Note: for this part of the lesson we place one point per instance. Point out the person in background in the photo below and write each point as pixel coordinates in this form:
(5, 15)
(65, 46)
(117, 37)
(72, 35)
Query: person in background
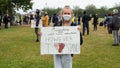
(37, 17)
(20, 19)
(31, 17)
(55, 19)
(50, 20)
(73, 20)
(25, 19)
(115, 27)
(95, 21)
(6, 20)
(85, 19)
(104, 21)
(109, 23)
(45, 19)
(79, 20)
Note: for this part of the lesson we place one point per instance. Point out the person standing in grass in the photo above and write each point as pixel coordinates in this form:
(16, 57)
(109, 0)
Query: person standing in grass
(95, 21)
(45, 19)
(37, 17)
(85, 19)
(109, 23)
(65, 60)
(6, 20)
(115, 27)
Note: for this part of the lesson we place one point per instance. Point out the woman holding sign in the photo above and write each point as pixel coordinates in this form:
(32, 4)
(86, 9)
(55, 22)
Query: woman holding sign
(64, 60)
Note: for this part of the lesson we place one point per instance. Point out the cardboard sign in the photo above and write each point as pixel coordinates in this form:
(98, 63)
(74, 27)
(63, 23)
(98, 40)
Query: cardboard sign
(33, 24)
(60, 40)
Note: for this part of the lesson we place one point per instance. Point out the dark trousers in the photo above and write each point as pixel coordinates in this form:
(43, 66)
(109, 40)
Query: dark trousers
(95, 27)
(6, 24)
(109, 28)
(36, 32)
(79, 23)
(20, 22)
(36, 29)
(86, 26)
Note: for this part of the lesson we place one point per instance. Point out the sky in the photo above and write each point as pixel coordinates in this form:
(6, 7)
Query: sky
(40, 4)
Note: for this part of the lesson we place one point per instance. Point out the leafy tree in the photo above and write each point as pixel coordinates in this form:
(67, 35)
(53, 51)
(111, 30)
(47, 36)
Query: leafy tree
(91, 9)
(102, 11)
(9, 6)
(77, 11)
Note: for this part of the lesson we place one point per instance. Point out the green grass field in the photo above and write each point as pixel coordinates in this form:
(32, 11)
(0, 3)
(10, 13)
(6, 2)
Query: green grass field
(18, 49)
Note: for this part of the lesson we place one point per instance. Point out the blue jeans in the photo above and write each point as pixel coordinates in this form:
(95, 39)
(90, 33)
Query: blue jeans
(116, 37)
(63, 61)
(86, 26)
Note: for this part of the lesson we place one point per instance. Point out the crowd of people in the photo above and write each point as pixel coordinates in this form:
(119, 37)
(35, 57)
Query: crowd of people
(67, 18)
(112, 21)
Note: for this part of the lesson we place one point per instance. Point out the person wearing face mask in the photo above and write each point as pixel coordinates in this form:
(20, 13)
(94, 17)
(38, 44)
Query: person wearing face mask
(65, 60)
(45, 19)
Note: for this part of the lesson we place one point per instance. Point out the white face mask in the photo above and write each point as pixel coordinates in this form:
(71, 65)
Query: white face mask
(66, 17)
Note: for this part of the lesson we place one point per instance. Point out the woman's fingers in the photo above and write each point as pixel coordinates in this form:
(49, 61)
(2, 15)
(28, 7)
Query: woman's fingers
(40, 34)
(79, 28)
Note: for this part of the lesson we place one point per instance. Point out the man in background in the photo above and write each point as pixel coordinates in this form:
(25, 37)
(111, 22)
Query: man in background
(85, 20)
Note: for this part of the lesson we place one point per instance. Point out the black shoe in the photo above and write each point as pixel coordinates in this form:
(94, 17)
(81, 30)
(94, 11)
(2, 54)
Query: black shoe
(114, 44)
(37, 40)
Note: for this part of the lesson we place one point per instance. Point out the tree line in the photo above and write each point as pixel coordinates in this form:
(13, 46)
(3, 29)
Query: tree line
(90, 9)
(9, 7)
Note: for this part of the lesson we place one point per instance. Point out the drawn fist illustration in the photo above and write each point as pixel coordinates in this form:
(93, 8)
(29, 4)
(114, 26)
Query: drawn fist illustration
(59, 46)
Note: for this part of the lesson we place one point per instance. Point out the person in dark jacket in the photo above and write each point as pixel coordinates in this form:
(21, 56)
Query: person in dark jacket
(85, 20)
(79, 20)
(37, 24)
(6, 20)
(109, 23)
(31, 18)
(115, 27)
(55, 19)
(95, 21)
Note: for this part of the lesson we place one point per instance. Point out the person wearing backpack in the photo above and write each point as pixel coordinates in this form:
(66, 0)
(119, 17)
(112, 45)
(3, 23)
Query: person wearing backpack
(115, 27)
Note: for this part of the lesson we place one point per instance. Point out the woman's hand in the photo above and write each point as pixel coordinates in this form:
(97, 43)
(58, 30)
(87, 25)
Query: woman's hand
(79, 28)
(40, 34)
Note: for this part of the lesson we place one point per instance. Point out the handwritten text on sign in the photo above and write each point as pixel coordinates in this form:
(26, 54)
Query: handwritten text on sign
(60, 40)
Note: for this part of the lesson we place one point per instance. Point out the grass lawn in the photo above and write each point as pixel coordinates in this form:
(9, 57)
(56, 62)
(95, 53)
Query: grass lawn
(18, 49)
